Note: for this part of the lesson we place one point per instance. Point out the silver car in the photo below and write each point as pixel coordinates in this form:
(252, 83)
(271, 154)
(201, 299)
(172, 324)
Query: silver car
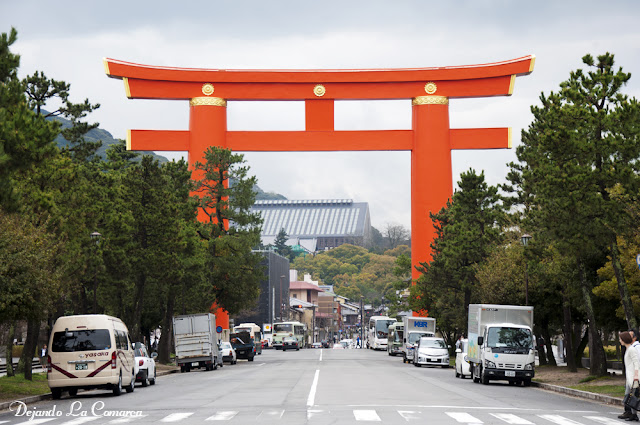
(431, 351)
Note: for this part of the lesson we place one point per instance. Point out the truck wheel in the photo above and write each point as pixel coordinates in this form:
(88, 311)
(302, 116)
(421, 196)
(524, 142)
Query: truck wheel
(56, 393)
(527, 382)
(251, 358)
(187, 368)
(484, 378)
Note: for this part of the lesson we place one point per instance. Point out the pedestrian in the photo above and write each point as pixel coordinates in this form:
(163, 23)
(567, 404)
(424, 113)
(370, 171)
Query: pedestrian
(43, 356)
(459, 343)
(358, 342)
(632, 367)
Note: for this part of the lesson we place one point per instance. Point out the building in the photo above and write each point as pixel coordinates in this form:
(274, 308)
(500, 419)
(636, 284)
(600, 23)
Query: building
(315, 225)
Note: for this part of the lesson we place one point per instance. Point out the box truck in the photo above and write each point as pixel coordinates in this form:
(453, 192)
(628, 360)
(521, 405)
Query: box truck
(415, 328)
(196, 342)
(501, 343)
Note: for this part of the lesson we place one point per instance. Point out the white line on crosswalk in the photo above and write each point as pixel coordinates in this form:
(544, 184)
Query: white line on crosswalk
(560, 420)
(222, 416)
(176, 417)
(409, 415)
(79, 421)
(464, 418)
(511, 419)
(127, 419)
(366, 415)
(38, 421)
(603, 420)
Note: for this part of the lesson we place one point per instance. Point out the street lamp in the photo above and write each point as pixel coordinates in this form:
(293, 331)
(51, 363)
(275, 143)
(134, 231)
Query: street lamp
(525, 241)
(95, 237)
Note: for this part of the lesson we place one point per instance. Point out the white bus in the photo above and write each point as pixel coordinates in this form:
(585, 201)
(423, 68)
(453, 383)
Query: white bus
(378, 332)
(255, 331)
(283, 329)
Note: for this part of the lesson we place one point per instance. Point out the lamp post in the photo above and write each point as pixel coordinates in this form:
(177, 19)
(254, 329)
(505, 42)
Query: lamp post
(95, 237)
(361, 321)
(525, 241)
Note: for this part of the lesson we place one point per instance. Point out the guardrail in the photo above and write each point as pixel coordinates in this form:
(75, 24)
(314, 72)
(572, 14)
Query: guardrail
(35, 364)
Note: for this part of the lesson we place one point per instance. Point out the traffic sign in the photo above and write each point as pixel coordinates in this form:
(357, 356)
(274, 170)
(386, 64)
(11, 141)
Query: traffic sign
(219, 329)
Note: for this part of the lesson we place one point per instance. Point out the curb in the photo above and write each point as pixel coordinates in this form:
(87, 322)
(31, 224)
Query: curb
(579, 394)
(33, 399)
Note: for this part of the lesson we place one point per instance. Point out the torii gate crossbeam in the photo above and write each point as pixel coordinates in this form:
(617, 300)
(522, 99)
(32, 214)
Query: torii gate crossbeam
(430, 139)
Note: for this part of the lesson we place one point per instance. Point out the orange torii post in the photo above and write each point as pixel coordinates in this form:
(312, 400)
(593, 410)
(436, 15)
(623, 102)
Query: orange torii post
(430, 139)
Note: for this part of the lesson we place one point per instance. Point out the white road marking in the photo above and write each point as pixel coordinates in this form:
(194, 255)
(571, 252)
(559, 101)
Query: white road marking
(409, 415)
(312, 392)
(38, 421)
(320, 355)
(126, 419)
(222, 416)
(312, 413)
(176, 417)
(464, 418)
(366, 415)
(603, 420)
(560, 420)
(511, 419)
(79, 421)
(271, 414)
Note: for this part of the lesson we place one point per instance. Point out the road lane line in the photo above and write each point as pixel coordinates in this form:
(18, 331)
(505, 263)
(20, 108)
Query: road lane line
(409, 415)
(222, 416)
(511, 419)
(366, 415)
(464, 418)
(176, 417)
(603, 420)
(560, 420)
(320, 355)
(312, 393)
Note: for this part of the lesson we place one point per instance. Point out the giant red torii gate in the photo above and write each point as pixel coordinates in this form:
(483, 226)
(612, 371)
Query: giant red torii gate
(430, 139)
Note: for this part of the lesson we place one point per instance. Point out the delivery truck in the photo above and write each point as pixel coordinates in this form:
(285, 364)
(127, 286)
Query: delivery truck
(414, 328)
(196, 342)
(501, 343)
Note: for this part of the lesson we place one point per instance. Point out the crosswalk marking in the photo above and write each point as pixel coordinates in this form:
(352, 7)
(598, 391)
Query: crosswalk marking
(271, 414)
(464, 418)
(79, 421)
(222, 416)
(556, 419)
(409, 415)
(312, 413)
(511, 419)
(127, 419)
(603, 420)
(366, 415)
(176, 417)
(38, 421)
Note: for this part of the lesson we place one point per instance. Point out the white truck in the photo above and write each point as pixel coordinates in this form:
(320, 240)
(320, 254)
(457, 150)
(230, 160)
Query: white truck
(414, 329)
(501, 343)
(196, 342)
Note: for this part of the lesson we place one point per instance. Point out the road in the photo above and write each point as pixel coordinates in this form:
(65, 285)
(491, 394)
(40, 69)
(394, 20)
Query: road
(319, 387)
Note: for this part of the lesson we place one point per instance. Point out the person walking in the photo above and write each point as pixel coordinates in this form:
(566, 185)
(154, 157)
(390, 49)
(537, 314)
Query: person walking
(43, 356)
(632, 367)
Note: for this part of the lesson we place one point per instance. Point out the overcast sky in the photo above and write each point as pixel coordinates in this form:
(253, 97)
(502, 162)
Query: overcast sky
(68, 39)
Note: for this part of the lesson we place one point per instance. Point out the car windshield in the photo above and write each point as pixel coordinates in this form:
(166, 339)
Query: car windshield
(415, 337)
(82, 340)
(509, 338)
(432, 343)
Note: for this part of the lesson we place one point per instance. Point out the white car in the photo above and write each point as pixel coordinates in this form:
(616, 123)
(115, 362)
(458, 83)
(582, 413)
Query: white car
(431, 351)
(228, 353)
(462, 365)
(145, 365)
(347, 343)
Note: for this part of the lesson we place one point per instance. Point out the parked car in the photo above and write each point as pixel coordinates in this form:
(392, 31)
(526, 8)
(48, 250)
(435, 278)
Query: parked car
(431, 351)
(316, 345)
(290, 342)
(228, 353)
(325, 343)
(338, 346)
(145, 364)
(347, 343)
(462, 365)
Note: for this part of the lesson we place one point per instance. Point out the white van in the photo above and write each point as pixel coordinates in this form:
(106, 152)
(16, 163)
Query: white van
(90, 351)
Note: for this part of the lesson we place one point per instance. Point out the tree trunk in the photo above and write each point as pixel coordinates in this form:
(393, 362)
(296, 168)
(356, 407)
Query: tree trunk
(9, 347)
(625, 298)
(597, 358)
(547, 338)
(542, 356)
(164, 345)
(568, 334)
(29, 350)
(581, 346)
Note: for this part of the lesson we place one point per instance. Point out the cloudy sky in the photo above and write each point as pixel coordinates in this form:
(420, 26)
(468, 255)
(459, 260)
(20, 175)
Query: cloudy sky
(68, 39)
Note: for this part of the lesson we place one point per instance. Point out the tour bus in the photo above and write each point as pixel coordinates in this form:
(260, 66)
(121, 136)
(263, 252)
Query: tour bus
(378, 332)
(255, 332)
(283, 329)
(394, 340)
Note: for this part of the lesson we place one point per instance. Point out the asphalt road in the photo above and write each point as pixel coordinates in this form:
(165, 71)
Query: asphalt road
(319, 387)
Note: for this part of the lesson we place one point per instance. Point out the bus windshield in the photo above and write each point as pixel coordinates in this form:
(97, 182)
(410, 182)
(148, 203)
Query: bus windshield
(282, 327)
(382, 328)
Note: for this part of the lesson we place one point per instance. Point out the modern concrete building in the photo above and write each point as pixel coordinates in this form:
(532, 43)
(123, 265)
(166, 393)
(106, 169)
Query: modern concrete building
(315, 225)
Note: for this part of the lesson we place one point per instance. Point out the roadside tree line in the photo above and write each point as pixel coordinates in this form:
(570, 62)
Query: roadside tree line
(574, 190)
(80, 234)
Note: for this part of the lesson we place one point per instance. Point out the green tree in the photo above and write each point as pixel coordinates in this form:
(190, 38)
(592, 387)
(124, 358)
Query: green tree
(230, 228)
(280, 245)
